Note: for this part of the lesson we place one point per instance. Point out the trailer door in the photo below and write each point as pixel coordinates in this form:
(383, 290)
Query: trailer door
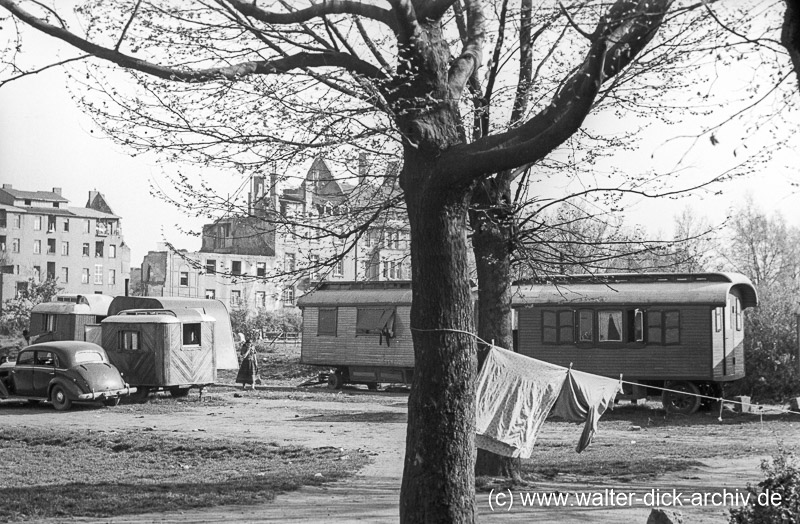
(732, 326)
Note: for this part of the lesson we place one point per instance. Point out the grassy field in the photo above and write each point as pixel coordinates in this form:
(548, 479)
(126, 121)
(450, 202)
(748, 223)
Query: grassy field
(56, 473)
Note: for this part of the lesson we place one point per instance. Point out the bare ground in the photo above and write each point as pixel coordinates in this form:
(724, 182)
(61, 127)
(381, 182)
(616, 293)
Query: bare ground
(351, 419)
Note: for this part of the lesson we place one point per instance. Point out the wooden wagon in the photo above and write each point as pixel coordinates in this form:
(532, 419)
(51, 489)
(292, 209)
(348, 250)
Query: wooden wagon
(164, 349)
(360, 330)
(680, 331)
(69, 317)
(224, 347)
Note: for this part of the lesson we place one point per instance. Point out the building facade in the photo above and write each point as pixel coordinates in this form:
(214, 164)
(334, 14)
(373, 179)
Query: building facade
(42, 237)
(267, 258)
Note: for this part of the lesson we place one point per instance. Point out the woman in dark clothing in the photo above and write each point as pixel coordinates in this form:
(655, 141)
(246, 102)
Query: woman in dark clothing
(248, 370)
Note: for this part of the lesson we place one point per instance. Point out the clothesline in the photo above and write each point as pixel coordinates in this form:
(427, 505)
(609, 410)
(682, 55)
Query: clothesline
(699, 395)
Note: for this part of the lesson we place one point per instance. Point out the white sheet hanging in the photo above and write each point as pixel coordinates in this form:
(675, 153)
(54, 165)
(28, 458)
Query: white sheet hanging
(516, 393)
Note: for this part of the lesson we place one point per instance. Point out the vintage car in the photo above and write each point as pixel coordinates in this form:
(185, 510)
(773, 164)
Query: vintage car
(63, 372)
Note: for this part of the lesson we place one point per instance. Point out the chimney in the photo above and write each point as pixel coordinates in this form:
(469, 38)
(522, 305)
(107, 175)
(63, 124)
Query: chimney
(92, 196)
(363, 168)
(390, 178)
(7, 186)
(273, 185)
(57, 191)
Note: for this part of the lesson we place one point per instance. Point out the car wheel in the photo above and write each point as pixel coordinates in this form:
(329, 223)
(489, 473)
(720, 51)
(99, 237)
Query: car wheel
(60, 399)
(111, 402)
(179, 392)
(142, 392)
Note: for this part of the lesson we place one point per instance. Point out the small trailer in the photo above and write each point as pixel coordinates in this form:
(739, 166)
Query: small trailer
(224, 347)
(360, 330)
(69, 317)
(162, 349)
(680, 331)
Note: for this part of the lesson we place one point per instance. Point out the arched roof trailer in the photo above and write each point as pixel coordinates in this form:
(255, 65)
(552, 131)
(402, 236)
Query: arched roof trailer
(683, 330)
(68, 317)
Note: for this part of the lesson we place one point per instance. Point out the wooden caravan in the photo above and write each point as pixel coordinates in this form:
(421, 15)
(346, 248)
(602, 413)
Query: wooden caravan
(361, 330)
(682, 331)
(162, 349)
(69, 317)
(224, 348)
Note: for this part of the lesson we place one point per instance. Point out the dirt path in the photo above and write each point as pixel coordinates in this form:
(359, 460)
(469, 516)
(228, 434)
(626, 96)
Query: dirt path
(375, 423)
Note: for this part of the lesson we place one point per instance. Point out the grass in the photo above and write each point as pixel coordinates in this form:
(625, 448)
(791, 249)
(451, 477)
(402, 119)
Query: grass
(57, 473)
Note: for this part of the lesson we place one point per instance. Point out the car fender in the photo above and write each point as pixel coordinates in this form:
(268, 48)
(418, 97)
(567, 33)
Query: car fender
(70, 387)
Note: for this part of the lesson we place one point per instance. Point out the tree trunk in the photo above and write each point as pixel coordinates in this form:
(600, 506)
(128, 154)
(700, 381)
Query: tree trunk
(790, 35)
(440, 438)
(492, 236)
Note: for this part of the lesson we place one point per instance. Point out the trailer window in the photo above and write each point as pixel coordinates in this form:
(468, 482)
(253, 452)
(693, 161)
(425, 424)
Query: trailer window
(672, 332)
(191, 334)
(585, 325)
(549, 328)
(609, 326)
(375, 321)
(566, 327)
(718, 319)
(49, 322)
(326, 321)
(635, 325)
(654, 327)
(129, 340)
(558, 327)
(736, 314)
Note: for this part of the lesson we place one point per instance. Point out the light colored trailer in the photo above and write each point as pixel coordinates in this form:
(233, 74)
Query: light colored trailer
(361, 330)
(162, 349)
(683, 331)
(224, 347)
(69, 317)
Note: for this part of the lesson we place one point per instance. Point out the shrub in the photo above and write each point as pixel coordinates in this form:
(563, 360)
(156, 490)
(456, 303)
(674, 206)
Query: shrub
(771, 365)
(283, 321)
(16, 314)
(782, 478)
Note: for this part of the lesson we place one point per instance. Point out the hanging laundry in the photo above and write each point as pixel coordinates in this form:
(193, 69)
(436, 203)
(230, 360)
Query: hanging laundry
(585, 397)
(516, 393)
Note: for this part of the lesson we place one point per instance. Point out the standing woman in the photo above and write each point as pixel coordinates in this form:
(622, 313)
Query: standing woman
(248, 370)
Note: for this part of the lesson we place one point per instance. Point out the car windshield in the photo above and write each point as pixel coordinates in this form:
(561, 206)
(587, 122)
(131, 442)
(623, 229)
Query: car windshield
(82, 357)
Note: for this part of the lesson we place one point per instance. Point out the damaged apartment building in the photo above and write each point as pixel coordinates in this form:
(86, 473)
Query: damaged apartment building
(286, 241)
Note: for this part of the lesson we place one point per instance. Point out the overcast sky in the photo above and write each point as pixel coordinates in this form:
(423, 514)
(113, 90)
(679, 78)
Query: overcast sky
(46, 142)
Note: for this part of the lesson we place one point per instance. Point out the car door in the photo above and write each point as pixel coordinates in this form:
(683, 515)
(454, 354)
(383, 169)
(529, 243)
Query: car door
(44, 371)
(22, 373)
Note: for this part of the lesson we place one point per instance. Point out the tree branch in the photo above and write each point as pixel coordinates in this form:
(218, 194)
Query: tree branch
(575, 26)
(236, 71)
(127, 25)
(433, 9)
(45, 68)
(622, 34)
(325, 7)
(471, 56)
